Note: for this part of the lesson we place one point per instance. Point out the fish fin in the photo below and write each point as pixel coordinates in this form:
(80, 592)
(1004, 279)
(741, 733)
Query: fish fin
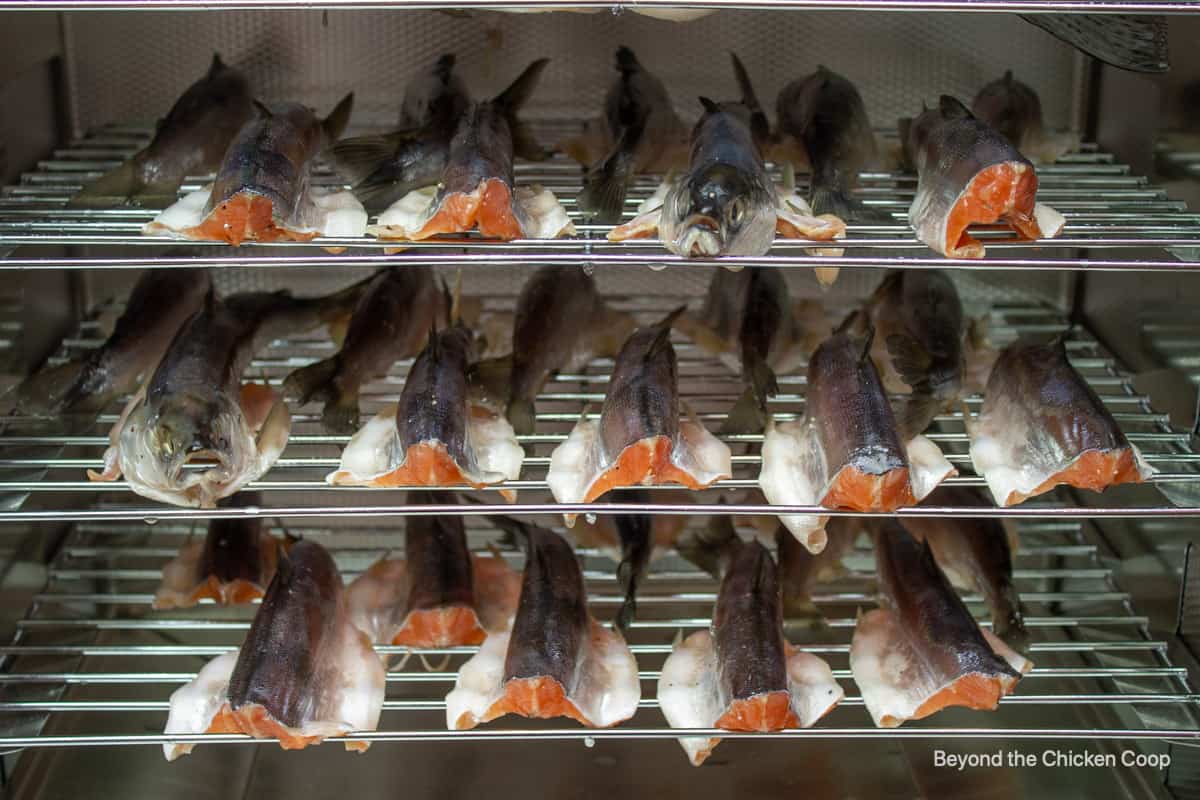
(123, 186)
(522, 415)
(627, 579)
(711, 547)
(832, 200)
(216, 65)
(604, 188)
(711, 106)
(914, 412)
(952, 108)
(749, 98)
(491, 377)
(1008, 77)
(358, 159)
(57, 389)
(521, 89)
(626, 60)
(1128, 41)
(663, 338)
(313, 382)
(263, 109)
(341, 411)
(335, 124)
(444, 66)
(910, 359)
(746, 416)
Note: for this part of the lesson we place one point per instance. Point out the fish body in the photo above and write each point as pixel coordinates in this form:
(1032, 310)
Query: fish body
(303, 674)
(800, 569)
(922, 651)
(160, 302)
(391, 320)
(557, 660)
(1136, 42)
(1014, 110)
(825, 112)
(190, 140)
(1042, 425)
(968, 173)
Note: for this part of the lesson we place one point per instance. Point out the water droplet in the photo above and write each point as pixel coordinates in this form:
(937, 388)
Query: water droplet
(588, 741)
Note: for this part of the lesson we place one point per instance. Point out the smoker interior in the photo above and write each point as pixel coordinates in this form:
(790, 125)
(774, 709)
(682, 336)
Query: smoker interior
(86, 676)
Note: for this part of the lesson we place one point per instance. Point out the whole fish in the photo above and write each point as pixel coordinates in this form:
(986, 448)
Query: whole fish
(639, 438)
(558, 661)
(194, 408)
(976, 555)
(263, 188)
(968, 173)
(436, 435)
(825, 112)
(642, 133)
(1042, 425)
(847, 451)
(726, 203)
(304, 673)
(392, 320)
(1015, 111)
(944, 657)
(384, 168)
(743, 675)
(190, 140)
(160, 302)
(561, 323)
(477, 189)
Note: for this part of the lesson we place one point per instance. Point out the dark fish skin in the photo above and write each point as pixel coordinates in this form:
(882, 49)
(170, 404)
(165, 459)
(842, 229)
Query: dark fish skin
(1011, 107)
(825, 112)
(949, 145)
(919, 320)
(643, 392)
(551, 625)
(748, 626)
(436, 97)
(482, 149)
(231, 548)
(433, 404)
(635, 532)
(911, 583)
(711, 547)
(190, 140)
(978, 548)
(1136, 42)
(280, 663)
(844, 392)
(437, 557)
(392, 320)
(799, 568)
(161, 301)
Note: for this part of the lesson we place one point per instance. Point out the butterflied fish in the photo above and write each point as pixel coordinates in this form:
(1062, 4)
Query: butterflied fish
(161, 301)
(1135, 42)
(384, 168)
(968, 174)
(557, 661)
(976, 555)
(263, 189)
(561, 323)
(639, 438)
(743, 675)
(190, 140)
(641, 133)
(1015, 111)
(726, 204)
(391, 320)
(194, 410)
(304, 673)
(232, 564)
(438, 595)
(1042, 425)
(825, 113)
(922, 651)
(847, 451)
(437, 435)
(799, 568)
(477, 190)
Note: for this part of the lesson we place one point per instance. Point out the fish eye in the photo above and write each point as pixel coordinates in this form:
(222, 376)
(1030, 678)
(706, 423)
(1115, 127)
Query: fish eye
(737, 210)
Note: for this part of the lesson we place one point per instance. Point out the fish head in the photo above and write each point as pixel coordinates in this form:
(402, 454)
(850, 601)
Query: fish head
(720, 210)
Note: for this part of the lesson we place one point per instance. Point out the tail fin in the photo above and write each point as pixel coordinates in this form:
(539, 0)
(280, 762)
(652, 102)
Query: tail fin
(1133, 42)
(511, 100)
(604, 188)
(836, 201)
(216, 65)
(759, 125)
(314, 382)
(749, 414)
(57, 389)
(626, 60)
(444, 66)
(522, 415)
(335, 124)
(123, 186)
(359, 158)
(711, 547)
(341, 411)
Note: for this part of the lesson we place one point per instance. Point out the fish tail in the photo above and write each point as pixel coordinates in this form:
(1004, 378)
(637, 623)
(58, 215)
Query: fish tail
(1133, 42)
(525, 144)
(626, 60)
(335, 124)
(362, 158)
(760, 126)
(123, 186)
(627, 579)
(59, 388)
(341, 411)
(314, 382)
(837, 201)
(522, 415)
(749, 413)
(711, 547)
(606, 184)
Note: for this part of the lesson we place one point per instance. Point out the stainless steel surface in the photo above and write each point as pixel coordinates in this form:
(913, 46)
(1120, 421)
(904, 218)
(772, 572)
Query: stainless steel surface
(1010, 6)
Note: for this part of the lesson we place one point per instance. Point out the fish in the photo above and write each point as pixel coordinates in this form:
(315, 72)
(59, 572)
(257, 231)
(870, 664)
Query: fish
(1042, 425)
(439, 594)
(641, 133)
(976, 555)
(968, 174)
(384, 168)
(557, 661)
(921, 650)
(232, 565)
(639, 438)
(1015, 112)
(160, 302)
(190, 140)
(743, 675)
(561, 323)
(391, 321)
(304, 673)
(799, 568)
(846, 452)
(825, 113)
(194, 409)
(263, 189)
(748, 317)
(438, 435)
(477, 190)
(725, 203)
(1136, 42)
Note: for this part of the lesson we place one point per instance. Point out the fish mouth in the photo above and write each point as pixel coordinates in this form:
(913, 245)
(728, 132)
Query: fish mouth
(701, 237)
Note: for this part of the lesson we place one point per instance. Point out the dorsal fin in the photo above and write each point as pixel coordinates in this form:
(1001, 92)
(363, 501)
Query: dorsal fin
(335, 124)
(264, 110)
(711, 106)
(749, 98)
(662, 337)
(626, 60)
(1008, 76)
(216, 66)
(952, 108)
(521, 89)
(444, 66)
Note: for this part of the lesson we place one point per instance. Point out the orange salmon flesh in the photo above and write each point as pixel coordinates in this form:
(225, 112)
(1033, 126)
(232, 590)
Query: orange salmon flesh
(1094, 469)
(489, 208)
(541, 697)
(861, 491)
(235, 593)
(244, 217)
(769, 711)
(974, 691)
(426, 464)
(1002, 192)
(646, 462)
(440, 627)
(254, 720)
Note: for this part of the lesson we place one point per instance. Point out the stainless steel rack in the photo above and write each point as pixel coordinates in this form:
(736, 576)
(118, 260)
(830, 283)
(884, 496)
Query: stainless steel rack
(1007, 6)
